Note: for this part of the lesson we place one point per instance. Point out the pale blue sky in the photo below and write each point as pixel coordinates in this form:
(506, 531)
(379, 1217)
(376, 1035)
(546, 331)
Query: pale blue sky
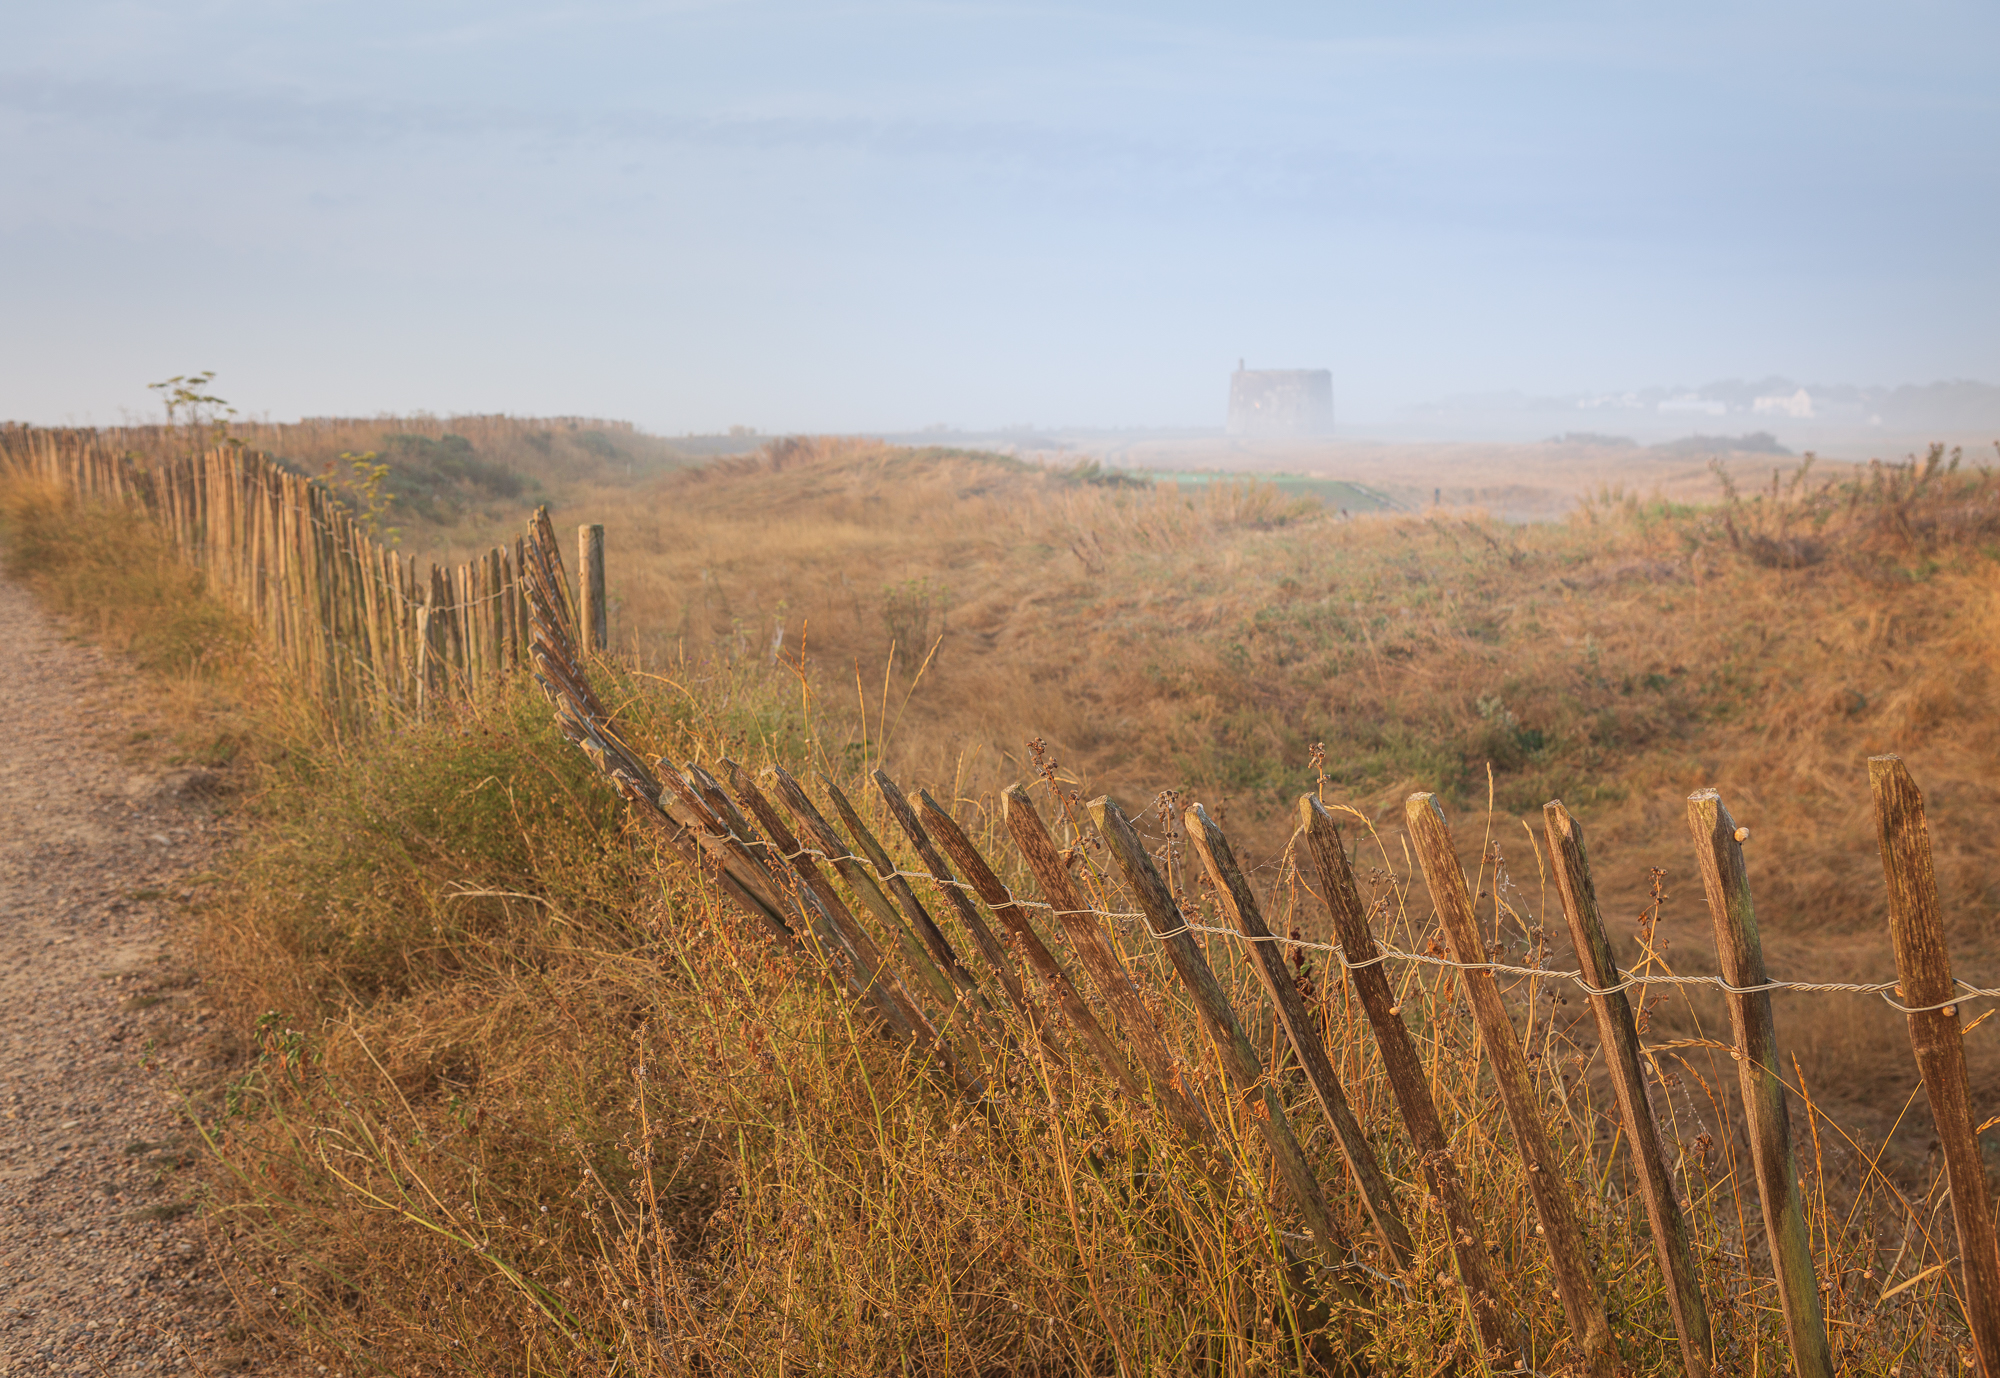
(879, 216)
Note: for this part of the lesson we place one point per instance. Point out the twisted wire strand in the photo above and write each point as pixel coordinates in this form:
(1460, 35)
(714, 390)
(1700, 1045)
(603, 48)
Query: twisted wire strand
(1385, 953)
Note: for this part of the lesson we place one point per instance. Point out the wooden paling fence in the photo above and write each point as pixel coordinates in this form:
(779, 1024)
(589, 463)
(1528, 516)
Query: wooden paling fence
(872, 934)
(358, 623)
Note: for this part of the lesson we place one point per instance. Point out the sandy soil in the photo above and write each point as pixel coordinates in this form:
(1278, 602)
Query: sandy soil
(105, 1267)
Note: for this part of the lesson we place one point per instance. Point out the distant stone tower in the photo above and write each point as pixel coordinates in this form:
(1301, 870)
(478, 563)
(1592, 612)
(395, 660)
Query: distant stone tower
(1280, 401)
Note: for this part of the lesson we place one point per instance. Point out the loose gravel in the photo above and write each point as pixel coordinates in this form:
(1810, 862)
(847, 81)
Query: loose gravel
(105, 1267)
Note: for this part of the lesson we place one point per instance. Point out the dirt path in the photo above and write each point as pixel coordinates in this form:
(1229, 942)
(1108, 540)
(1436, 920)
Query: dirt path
(103, 1270)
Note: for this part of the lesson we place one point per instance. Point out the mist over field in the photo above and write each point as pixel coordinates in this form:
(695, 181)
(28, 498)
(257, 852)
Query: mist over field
(915, 687)
(885, 217)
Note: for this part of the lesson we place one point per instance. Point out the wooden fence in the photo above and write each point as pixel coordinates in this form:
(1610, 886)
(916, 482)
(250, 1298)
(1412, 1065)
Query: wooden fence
(845, 909)
(354, 621)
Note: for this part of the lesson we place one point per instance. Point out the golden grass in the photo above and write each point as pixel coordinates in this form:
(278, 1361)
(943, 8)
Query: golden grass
(545, 1108)
(116, 575)
(527, 1102)
(1765, 644)
(1158, 640)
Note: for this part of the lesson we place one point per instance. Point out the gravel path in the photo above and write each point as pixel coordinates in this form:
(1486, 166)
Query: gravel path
(103, 1268)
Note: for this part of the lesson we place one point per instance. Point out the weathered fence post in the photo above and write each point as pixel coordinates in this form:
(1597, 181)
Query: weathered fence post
(1406, 1075)
(811, 821)
(1240, 1063)
(906, 899)
(1923, 967)
(1719, 848)
(954, 894)
(881, 985)
(1591, 1332)
(1619, 1035)
(1233, 893)
(425, 653)
(1086, 938)
(590, 586)
(1023, 937)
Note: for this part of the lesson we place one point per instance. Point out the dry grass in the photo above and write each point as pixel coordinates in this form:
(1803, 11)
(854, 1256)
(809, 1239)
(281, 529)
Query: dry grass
(527, 1101)
(1765, 643)
(116, 579)
(1617, 661)
(546, 1108)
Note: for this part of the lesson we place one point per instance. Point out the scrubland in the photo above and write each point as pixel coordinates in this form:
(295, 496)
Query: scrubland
(1765, 643)
(952, 606)
(518, 1097)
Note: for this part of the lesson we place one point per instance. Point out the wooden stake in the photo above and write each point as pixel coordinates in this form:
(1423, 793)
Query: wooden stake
(1619, 1035)
(1923, 966)
(884, 987)
(590, 586)
(1239, 904)
(906, 899)
(681, 800)
(510, 610)
(1590, 1332)
(1086, 937)
(1407, 1081)
(954, 895)
(1014, 919)
(1727, 882)
(793, 796)
(1240, 1063)
(423, 649)
(495, 612)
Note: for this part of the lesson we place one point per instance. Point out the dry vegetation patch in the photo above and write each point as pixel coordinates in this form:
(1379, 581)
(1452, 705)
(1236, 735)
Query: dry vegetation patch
(522, 1097)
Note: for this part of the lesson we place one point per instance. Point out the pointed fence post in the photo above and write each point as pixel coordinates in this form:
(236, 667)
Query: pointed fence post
(1923, 966)
(861, 884)
(1240, 1063)
(426, 655)
(1619, 1035)
(953, 891)
(1233, 894)
(1718, 844)
(1407, 1081)
(898, 885)
(1582, 1304)
(1022, 937)
(879, 985)
(1086, 937)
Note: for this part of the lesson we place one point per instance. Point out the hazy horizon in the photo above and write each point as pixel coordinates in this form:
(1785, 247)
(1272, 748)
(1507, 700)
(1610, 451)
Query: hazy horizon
(879, 217)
